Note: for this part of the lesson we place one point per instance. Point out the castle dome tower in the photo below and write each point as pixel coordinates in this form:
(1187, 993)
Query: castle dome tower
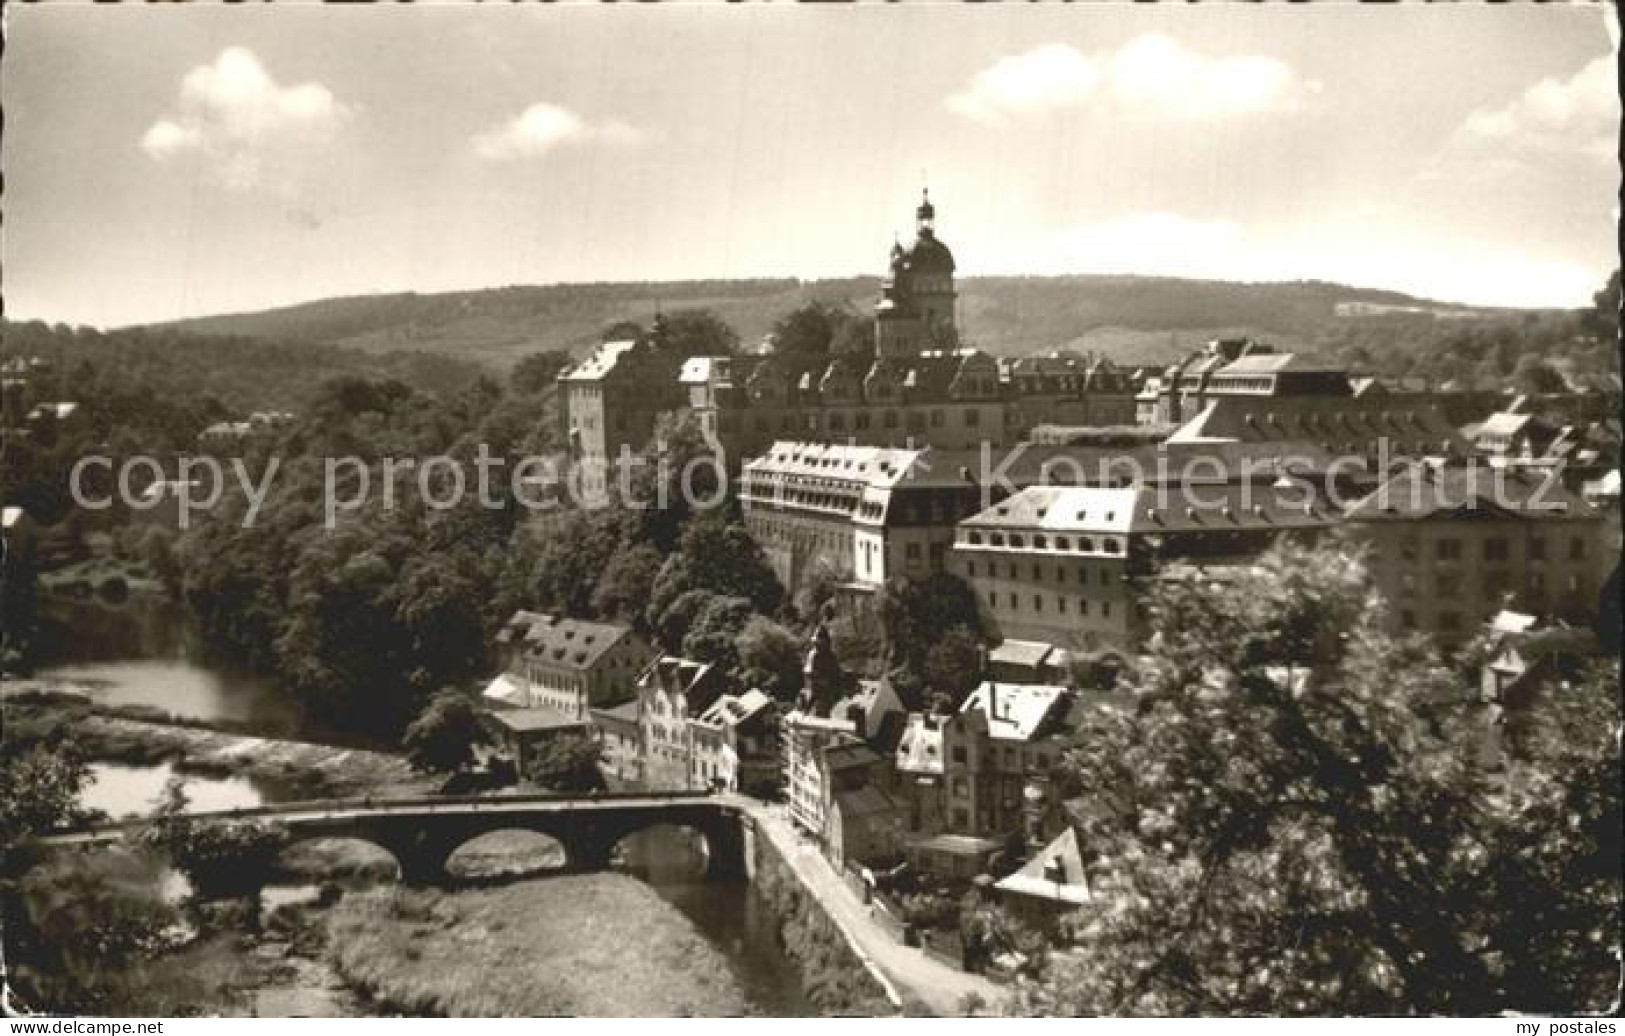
(917, 300)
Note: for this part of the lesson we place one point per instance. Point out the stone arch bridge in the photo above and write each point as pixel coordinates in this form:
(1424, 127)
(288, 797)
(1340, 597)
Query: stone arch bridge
(422, 833)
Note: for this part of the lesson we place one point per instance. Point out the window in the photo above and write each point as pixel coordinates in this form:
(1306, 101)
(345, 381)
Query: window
(1449, 622)
(936, 419)
(1577, 548)
(970, 570)
(958, 754)
(889, 419)
(1449, 586)
(1083, 606)
(912, 551)
(1106, 609)
(1038, 602)
(1496, 548)
(993, 598)
(1038, 573)
(1062, 543)
(973, 417)
(1060, 605)
(1537, 548)
(1012, 570)
(1015, 603)
(1407, 620)
(862, 420)
(1448, 550)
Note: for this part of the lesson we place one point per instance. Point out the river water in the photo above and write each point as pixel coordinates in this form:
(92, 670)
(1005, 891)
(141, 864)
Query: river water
(145, 653)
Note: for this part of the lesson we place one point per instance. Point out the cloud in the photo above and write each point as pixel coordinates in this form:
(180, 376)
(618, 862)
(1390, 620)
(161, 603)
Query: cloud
(1559, 117)
(1151, 74)
(543, 127)
(248, 130)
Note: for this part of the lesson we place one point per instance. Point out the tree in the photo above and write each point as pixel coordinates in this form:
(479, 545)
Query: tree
(443, 737)
(1602, 319)
(40, 785)
(698, 332)
(623, 588)
(568, 763)
(770, 658)
(953, 666)
(221, 858)
(1537, 377)
(1287, 823)
(804, 335)
(720, 557)
(712, 636)
(916, 614)
(538, 371)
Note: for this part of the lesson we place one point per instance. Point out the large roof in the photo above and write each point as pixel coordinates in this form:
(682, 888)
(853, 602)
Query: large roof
(524, 721)
(730, 710)
(928, 255)
(556, 640)
(1055, 873)
(1274, 363)
(602, 360)
(1335, 423)
(1014, 711)
(1423, 491)
(1155, 509)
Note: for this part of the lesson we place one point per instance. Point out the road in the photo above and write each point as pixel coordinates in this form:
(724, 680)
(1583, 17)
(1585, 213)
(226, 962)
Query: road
(922, 981)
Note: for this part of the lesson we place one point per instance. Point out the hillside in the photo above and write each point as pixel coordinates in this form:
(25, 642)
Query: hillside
(1132, 319)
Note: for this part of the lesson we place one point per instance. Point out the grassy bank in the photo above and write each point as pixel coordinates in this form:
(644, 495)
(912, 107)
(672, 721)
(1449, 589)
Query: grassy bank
(131, 736)
(596, 944)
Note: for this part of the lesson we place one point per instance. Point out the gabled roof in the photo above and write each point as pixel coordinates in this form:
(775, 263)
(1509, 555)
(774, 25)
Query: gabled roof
(524, 721)
(602, 360)
(863, 802)
(1054, 873)
(730, 710)
(1274, 363)
(1421, 491)
(556, 640)
(1075, 510)
(1332, 422)
(506, 689)
(1015, 712)
(919, 750)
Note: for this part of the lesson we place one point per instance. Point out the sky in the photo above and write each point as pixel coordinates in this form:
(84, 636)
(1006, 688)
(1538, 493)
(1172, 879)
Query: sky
(171, 161)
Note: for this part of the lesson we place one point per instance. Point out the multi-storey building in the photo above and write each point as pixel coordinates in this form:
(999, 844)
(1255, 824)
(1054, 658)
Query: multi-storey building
(612, 400)
(571, 665)
(616, 728)
(857, 514)
(918, 387)
(1063, 564)
(735, 744)
(671, 691)
(1004, 738)
(1450, 545)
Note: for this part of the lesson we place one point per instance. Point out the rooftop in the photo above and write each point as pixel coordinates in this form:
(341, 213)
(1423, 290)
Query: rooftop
(526, 721)
(1014, 712)
(556, 640)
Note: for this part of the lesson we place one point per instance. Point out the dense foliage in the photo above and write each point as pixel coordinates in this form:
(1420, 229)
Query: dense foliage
(1294, 820)
(442, 738)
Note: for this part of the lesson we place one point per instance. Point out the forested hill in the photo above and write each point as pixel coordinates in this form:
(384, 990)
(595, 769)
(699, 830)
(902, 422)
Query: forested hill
(1132, 319)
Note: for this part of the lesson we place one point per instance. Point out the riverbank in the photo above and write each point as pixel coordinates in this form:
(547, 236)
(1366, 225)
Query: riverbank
(550, 947)
(133, 736)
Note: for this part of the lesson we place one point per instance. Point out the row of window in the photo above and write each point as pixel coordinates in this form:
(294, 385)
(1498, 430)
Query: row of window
(1014, 605)
(1493, 548)
(1103, 576)
(1039, 541)
(1496, 583)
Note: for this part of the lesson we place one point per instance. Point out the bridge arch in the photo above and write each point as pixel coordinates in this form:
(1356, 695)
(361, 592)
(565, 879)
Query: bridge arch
(320, 855)
(518, 851)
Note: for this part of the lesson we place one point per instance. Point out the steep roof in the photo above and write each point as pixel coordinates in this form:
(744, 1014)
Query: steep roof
(919, 750)
(1054, 873)
(1422, 491)
(557, 640)
(601, 361)
(1014, 712)
(1154, 509)
(1274, 363)
(730, 710)
(525, 721)
(1332, 422)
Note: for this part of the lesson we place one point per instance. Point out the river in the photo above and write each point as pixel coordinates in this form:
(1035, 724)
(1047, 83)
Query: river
(146, 653)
